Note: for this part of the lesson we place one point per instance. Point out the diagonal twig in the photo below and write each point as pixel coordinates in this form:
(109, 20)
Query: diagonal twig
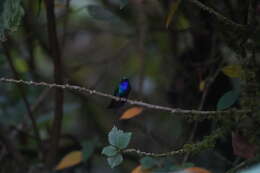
(24, 98)
(219, 16)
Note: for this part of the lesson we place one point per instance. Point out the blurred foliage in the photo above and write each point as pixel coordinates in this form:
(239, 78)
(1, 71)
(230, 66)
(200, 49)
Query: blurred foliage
(168, 49)
(11, 13)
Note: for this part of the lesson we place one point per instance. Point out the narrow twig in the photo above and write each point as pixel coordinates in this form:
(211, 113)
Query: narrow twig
(58, 77)
(24, 98)
(40, 99)
(230, 9)
(203, 98)
(222, 157)
(206, 143)
(243, 164)
(129, 101)
(142, 153)
(208, 84)
(219, 16)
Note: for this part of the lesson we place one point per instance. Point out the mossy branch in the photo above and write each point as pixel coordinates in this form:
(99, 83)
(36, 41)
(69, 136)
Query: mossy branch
(206, 143)
(189, 113)
(219, 16)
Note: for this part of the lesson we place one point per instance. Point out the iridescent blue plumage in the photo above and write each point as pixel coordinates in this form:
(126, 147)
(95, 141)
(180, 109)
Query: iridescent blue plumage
(123, 89)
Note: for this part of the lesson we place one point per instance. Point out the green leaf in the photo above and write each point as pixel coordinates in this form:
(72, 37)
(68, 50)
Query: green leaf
(119, 138)
(11, 13)
(109, 151)
(227, 100)
(88, 148)
(20, 65)
(182, 23)
(148, 162)
(99, 13)
(115, 160)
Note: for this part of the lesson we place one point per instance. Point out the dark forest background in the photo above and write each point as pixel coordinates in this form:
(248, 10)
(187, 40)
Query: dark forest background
(182, 54)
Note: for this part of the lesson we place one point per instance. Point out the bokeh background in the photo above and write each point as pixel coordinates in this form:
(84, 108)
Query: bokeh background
(166, 54)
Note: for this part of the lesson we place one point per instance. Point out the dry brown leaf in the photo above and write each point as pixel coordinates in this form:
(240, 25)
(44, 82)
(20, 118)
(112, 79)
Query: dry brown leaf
(139, 169)
(132, 112)
(71, 159)
(196, 170)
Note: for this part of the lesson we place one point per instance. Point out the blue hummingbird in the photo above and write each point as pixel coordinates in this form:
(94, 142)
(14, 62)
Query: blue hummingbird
(123, 89)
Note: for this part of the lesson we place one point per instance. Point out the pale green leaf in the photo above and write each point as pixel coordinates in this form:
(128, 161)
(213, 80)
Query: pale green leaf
(227, 100)
(119, 138)
(115, 160)
(109, 151)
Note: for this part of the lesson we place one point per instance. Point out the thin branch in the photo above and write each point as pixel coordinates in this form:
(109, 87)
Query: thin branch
(39, 100)
(24, 98)
(219, 16)
(207, 142)
(58, 77)
(129, 101)
(244, 164)
(209, 82)
(194, 129)
(142, 153)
